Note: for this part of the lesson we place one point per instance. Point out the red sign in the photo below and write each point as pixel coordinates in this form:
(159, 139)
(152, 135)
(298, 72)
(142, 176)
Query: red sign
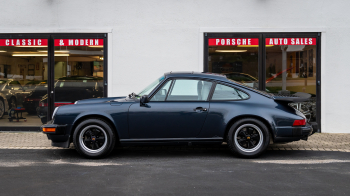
(290, 41)
(23, 42)
(78, 42)
(233, 41)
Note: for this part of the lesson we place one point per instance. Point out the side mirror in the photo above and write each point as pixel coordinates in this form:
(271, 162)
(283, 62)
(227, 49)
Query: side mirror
(143, 100)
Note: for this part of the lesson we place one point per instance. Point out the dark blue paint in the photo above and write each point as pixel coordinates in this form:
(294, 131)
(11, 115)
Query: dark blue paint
(176, 119)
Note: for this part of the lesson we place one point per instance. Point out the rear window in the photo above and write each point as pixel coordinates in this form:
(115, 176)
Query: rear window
(253, 89)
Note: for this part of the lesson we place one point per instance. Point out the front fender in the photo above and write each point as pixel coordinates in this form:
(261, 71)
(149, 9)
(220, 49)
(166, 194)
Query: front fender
(115, 115)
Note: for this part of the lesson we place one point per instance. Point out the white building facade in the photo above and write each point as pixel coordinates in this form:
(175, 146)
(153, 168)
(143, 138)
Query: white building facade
(122, 46)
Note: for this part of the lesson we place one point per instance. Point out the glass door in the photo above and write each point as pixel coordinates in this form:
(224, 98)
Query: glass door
(291, 64)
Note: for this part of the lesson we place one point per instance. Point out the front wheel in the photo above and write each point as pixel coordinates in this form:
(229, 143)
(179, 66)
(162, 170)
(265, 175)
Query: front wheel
(94, 138)
(248, 137)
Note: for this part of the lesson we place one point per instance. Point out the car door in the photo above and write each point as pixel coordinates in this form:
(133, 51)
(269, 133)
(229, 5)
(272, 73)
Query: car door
(177, 110)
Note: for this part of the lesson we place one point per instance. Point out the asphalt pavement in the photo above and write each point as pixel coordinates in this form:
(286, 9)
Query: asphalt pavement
(173, 171)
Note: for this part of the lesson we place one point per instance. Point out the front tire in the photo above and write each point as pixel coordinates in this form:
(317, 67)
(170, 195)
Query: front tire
(248, 137)
(94, 138)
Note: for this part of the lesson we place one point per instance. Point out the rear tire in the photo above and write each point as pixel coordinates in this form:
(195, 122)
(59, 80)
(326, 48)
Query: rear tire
(248, 138)
(94, 138)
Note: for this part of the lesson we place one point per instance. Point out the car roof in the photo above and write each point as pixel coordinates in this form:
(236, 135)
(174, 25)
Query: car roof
(197, 75)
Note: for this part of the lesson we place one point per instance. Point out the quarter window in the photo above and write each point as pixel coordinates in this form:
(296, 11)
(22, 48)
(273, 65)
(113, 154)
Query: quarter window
(223, 92)
(189, 90)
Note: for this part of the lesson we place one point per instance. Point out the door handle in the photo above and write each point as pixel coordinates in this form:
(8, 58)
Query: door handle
(200, 109)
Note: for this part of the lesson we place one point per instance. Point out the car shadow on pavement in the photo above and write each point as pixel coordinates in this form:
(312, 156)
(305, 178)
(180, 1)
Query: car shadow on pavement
(168, 152)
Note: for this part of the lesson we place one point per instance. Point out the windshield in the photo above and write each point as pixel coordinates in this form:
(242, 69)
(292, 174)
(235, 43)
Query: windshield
(150, 87)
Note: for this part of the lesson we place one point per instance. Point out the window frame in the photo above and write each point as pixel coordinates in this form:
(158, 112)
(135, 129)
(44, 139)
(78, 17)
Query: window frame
(228, 85)
(158, 89)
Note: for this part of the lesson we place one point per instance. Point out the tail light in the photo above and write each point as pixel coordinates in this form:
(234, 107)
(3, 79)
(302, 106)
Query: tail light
(42, 104)
(29, 99)
(61, 104)
(299, 122)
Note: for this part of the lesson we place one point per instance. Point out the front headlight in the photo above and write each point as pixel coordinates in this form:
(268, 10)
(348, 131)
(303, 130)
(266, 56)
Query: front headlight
(54, 112)
(76, 102)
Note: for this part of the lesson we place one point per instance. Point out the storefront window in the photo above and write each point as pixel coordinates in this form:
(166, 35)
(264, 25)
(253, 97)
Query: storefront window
(291, 68)
(23, 80)
(237, 58)
(78, 71)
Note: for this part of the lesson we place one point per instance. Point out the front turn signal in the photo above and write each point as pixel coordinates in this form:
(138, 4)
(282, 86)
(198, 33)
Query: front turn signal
(299, 122)
(49, 130)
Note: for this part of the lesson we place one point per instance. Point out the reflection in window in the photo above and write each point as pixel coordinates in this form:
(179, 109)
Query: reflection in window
(189, 90)
(223, 92)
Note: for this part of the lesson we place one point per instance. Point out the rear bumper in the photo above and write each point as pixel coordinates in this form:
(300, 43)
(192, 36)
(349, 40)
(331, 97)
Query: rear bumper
(289, 134)
(59, 137)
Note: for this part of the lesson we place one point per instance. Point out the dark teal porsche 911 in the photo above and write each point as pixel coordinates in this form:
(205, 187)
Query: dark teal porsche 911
(180, 109)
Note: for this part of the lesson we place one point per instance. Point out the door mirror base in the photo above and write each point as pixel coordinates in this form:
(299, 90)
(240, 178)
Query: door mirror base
(143, 100)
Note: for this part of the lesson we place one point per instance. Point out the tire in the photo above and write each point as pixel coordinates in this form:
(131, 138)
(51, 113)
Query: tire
(248, 138)
(87, 138)
(2, 108)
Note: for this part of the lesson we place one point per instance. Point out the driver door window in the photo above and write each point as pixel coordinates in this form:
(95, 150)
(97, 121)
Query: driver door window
(189, 90)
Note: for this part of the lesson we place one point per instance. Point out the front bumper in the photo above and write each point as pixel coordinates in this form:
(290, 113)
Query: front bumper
(58, 134)
(58, 129)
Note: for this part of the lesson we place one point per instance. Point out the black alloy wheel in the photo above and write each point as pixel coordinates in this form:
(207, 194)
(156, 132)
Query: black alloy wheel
(248, 137)
(94, 138)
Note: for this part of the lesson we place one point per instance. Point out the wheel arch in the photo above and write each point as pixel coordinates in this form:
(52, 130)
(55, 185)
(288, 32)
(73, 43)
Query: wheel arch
(97, 116)
(263, 120)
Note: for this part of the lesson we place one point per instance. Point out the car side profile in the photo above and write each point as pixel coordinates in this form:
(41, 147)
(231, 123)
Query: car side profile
(180, 109)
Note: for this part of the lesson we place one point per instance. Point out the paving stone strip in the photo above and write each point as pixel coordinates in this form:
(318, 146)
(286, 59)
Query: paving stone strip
(317, 142)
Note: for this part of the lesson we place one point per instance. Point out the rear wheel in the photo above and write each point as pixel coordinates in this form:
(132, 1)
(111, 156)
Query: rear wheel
(248, 137)
(94, 138)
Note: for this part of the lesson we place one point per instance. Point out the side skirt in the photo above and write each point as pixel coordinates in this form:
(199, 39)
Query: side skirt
(171, 141)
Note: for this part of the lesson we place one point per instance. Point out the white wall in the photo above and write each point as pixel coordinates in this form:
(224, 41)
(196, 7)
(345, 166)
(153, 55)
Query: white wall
(151, 37)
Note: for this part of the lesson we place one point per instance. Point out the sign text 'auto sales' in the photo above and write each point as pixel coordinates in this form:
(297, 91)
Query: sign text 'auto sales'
(255, 41)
